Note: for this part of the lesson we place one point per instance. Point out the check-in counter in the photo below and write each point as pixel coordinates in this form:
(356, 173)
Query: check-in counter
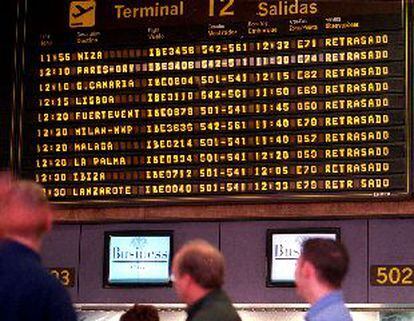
(253, 312)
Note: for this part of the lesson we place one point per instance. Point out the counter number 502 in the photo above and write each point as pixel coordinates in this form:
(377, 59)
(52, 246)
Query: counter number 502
(392, 275)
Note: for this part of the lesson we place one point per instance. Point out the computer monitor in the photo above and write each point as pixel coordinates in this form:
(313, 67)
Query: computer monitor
(283, 250)
(138, 258)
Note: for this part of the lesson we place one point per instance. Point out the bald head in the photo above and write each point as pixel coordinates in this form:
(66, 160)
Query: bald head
(203, 262)
(24, 210)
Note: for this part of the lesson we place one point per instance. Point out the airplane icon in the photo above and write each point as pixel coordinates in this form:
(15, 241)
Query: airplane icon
(81, 11)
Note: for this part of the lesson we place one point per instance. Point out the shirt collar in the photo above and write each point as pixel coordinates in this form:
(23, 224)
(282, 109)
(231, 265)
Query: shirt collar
(330, 298)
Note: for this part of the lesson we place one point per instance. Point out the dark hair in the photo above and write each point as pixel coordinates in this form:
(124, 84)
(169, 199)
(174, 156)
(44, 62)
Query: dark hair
(329, 257)
(203, 262)
(141, 313)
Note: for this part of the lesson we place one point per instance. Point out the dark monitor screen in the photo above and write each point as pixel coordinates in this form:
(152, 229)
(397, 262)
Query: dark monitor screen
(284, 248)
(136, 258)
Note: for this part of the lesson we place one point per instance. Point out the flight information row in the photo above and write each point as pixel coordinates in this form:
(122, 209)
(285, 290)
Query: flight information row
(379, 135)
(390, 101)
(287, 91)
(152, 112)
(219, 126)
(369, 55)
(381, 184)
(371, 71)
(394, 151)
(259, 170)
(360, 40)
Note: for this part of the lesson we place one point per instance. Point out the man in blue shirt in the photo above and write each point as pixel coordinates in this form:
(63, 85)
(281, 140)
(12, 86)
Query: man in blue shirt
(319, 273)
(27, 290)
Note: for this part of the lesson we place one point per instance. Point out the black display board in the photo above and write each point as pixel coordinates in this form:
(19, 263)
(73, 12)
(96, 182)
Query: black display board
(8, 36)
(172, 101)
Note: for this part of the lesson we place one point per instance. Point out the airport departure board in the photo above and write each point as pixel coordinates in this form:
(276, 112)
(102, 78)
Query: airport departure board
(147, 102)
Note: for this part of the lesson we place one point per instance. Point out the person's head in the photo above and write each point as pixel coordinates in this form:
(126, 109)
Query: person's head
(141, 313)
(321, 267)
(24, 211)
(198, 268)
(5, 182)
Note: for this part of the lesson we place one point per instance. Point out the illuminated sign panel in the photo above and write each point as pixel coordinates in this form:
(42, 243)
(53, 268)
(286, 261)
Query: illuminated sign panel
(284, 248)
(134, 258)
(216, 100)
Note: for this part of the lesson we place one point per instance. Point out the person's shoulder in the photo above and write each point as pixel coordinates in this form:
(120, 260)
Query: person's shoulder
(336, 311)
(218, 310)
(20, 257)
(26, 273)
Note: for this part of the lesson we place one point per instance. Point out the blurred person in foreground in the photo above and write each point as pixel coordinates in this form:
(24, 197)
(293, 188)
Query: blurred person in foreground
(27, 290)
(141, 313)
(198, 275)
(320, 270)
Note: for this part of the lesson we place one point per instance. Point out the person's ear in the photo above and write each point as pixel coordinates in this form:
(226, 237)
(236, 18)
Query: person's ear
(186, 279)
(308, 270)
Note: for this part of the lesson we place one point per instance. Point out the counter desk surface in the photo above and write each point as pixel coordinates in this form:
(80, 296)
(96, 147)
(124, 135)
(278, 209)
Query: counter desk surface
(253, 312)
